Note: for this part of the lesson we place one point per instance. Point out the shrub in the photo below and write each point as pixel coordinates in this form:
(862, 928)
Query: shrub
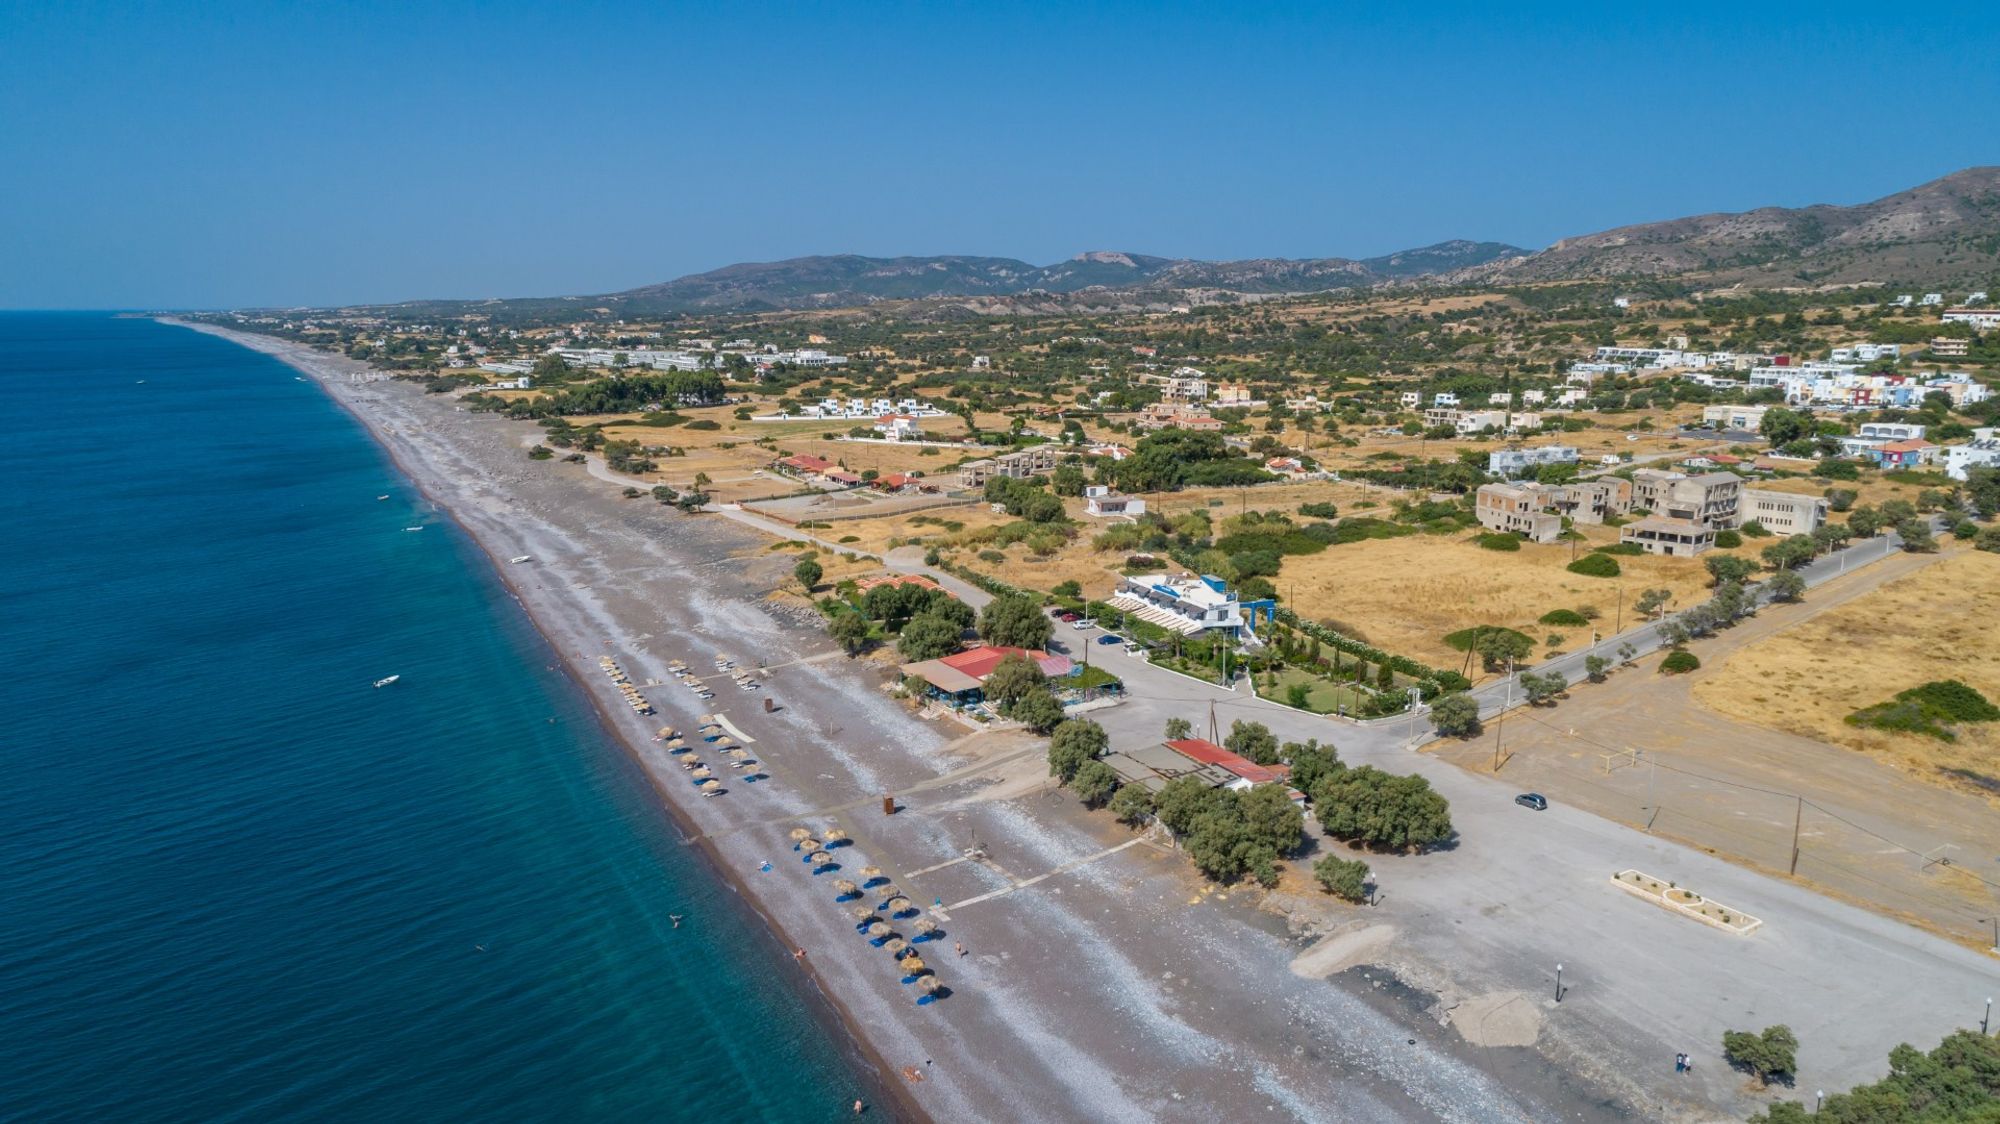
(1132, 804)
(1929, 709)
(1499, 541)
(1725, 540)
(704, 423)
(1678, 661)
(1343, 878)
(1595, 566)
(1564, 618)
(1622, 549)
(1752, 530)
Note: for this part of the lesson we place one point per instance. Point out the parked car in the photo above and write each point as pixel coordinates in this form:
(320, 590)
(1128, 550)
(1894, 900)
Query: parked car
(1067, 615)
(1107, 638)
(1081, 625)
(1134, 647)
(1533, 800)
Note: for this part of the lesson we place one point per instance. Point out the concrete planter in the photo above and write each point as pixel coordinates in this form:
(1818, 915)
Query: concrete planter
(1685, 902)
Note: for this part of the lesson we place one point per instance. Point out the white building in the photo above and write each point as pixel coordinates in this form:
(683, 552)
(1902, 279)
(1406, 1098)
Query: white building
(1106, 503)
(1931, 299)
(1865, 352)
(1981, 319)
(900, 427)
(1891, 431)
(1749, 418)
(1185, 604)
(1409, 400)
(1983, 451)
(1444, 398)
(1510, 463)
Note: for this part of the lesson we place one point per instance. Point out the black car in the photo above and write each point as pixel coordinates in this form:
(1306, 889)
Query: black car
(1533, 800)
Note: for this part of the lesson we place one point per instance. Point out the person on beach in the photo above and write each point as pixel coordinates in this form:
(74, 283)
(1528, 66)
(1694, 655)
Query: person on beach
(960, 946)
(766, 868)
(859, 1108)
(675, 918)
(799, 954)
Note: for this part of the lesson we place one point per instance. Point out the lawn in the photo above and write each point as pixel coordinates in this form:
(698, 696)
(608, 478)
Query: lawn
(1325, 697)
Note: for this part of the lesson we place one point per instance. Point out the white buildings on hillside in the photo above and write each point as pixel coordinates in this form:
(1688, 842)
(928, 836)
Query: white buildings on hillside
(1981, 319)
(1983, 451)
(900, 427)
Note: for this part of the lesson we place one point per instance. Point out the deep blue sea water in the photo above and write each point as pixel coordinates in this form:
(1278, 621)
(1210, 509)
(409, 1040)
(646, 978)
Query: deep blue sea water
(239, 883)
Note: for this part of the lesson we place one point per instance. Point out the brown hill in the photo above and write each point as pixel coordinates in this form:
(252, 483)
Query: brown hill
(1946, 230)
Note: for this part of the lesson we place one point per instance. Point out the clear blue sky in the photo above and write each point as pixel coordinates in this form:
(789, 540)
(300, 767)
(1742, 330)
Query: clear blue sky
(219, 154)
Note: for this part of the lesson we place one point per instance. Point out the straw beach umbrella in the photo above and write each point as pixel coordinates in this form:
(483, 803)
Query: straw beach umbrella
(895, 945)
(835, 836)
(879, 932)
(896, 905)
(861, 913)
(871, 872)
(926, 928)
(709, 786)
(846, 888)
(912, 966)
(931, 985)
(799, 835)
(702, 772)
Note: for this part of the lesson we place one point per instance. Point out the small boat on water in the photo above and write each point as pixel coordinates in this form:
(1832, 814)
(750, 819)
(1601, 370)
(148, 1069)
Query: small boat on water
(381, 497)
(384, 682)
(413, 528)
(520, 558)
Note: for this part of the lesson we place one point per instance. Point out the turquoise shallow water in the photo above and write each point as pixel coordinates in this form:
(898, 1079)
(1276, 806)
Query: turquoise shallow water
(239, 883)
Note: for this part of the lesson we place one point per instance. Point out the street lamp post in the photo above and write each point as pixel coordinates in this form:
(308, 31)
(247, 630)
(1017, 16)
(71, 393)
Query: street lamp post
(1986, 1019)
(1559, 983)
(1819, 1098)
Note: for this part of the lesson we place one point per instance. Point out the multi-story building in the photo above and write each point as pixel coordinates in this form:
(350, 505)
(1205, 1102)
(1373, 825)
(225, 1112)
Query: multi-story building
(1783, 513)
(1710, 499)
(1035, 460)
(1520, 509)
(1946, 347)
(1659, 534)
(1185, 604)
(1747, 418)
(1102, 502)
(1591, 501)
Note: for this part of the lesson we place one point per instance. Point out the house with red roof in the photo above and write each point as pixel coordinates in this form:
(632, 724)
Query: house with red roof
(806, 463)
(1903, 454)
(960, 678)
(1247, 773)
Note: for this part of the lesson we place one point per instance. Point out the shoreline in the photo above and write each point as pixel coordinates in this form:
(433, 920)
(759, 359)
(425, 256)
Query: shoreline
(870, 1066)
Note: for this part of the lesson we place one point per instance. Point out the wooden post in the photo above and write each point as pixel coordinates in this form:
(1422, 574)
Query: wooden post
(888, 805)
(770, 704)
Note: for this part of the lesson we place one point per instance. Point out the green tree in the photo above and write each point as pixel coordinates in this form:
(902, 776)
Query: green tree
(1038, 710)
(1728, 568)
(1380, 809)
(1132, 804)
(1652, 601)
(1782, 427)
(1095, 783)
(1012, 679)
(1309, 762)
(1496, 646)
(1075, 742)
(927, 636)
(1595, 667)
(808, 573)
(1770, 1054)
(1298, 696)
(1789, 554)
(1956, 1083)
(1865, 522)
(1786, 585)
(1015, 620)
(1253, 740)
(849, 630)
(1541, 688)
(1916, 536)
(1456, 716)
(1343, 878)
(1178, 729)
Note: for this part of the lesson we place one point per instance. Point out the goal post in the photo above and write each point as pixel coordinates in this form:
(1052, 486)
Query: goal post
(1619, 759)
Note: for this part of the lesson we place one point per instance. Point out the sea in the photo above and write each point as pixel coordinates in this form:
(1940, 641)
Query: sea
(238, 881)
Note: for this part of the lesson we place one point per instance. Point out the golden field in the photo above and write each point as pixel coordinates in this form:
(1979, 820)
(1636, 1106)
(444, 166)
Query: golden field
(1935, 623)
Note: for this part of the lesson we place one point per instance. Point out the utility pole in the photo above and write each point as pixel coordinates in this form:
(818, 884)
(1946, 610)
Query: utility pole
(1213, 733)
(1416, 702)
(1798, 814)
(1500, 723)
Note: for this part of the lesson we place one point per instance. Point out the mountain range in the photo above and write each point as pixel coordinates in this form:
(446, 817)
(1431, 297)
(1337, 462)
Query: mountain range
(1940, 232)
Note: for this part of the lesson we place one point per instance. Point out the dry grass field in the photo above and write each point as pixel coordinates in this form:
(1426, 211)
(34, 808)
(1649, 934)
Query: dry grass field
(1933, 624)
(1405, 594)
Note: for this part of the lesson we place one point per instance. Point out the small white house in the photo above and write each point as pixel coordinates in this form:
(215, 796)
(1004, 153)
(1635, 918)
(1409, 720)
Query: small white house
(900, 427)
(1102, 502)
